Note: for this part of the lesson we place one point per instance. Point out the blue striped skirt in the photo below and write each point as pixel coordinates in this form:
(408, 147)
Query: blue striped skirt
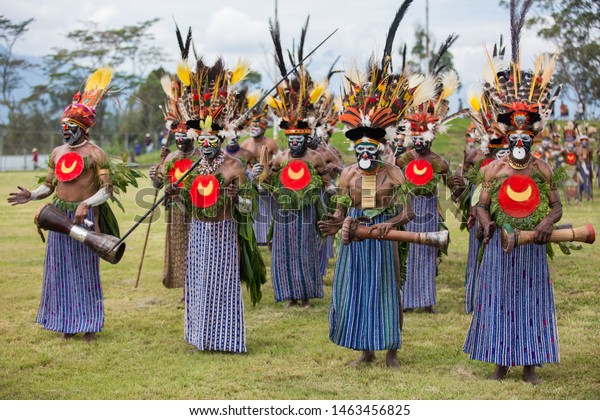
(71, 293)
(264, 217)
(214, 308)
(471, 270)
(421, 265)
(514, 318)
(295, 255)
(365, 306)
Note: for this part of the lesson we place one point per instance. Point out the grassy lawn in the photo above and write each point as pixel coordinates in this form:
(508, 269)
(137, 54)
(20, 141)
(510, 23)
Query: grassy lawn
(142, 354)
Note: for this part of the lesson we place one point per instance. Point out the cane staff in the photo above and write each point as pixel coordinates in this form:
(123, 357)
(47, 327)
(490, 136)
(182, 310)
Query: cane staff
(237, 123)
(162, 161)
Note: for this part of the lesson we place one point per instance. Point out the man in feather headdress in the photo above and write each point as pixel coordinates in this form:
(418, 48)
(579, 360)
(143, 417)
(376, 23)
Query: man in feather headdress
(366, 310)
(172, 166)
(424, 169)
(79, 177)
(266, 147)
(222, 248)
(514, 318)
(297, 177)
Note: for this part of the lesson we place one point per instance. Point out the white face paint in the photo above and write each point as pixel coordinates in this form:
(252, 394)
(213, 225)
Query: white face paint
(255, 131)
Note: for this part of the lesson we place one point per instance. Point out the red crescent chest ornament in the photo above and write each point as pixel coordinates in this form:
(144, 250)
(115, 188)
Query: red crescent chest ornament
(179, 168)
(419, 172)
(205, 191)
(519, 196)
(69, 167)
(486, 162)
(571, 158)
(295, 175)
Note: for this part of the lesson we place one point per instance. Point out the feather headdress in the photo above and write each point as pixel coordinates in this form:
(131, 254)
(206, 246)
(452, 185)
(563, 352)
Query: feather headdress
(374, 102)
(208, 99)
(82, 111)
(298, 105)
(429, 113)
(524, 99)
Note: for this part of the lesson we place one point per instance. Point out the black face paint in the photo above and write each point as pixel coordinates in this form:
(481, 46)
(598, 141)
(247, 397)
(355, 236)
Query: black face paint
(183, 142)
(312, 142)
(520, 145)
(297, 144)
(367, 156)
(209, 145)
(71, 133)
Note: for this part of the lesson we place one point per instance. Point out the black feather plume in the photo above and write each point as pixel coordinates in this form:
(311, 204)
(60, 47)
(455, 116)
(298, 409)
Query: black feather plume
(435, 61)
(276, 37)
(517, 20)
(387, 51)
(331, 71)
(184, 48)
(302, 39)
(403, 58)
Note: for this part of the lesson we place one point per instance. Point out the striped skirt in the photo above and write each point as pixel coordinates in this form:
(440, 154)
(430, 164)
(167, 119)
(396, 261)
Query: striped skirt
(214, 308)
(295, 255)
(71, 293)
(421, 265)
(514, 319)
(471, 270)
(262, 221)
(176, 244)
(365, 307)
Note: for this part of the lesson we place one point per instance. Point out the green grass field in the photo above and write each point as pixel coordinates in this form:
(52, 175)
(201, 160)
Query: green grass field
(141, 354)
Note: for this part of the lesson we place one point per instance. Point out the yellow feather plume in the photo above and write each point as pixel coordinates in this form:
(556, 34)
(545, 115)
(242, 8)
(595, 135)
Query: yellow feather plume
(273, 102)
(253, 97)
(317, 92)
(474, 98)
(240, 71)
(183, 71)
(99, 79)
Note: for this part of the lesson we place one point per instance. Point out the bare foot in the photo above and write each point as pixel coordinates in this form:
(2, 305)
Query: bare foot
(430, 310)
(500, 372)
(291, 303)
(305, 303)
(181, 299)
(391, 359)
(530, 376)
(408, 310)
(367, 356)
(68, 336)
(89, 336)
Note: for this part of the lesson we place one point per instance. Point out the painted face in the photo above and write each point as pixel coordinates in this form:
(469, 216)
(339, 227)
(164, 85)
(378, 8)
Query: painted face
(520, 145)
(421, 146)
(297, 144)
(183, 142)
(313, 141)
(570, 146)
(72, 133)
(367, 155)
(233, 145)
(256, 130)
(209, 145)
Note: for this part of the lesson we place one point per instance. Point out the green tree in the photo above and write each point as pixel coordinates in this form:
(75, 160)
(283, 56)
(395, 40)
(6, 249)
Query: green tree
(11, 67)
(573, 26)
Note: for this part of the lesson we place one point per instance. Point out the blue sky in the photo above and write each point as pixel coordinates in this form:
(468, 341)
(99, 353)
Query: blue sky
(239, 28)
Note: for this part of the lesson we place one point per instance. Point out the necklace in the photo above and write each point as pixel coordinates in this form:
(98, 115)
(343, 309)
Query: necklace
(518, 166)
(77, 145)
(205, 167)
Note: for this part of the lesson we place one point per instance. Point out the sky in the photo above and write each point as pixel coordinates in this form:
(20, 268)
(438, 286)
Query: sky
(239, 28)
